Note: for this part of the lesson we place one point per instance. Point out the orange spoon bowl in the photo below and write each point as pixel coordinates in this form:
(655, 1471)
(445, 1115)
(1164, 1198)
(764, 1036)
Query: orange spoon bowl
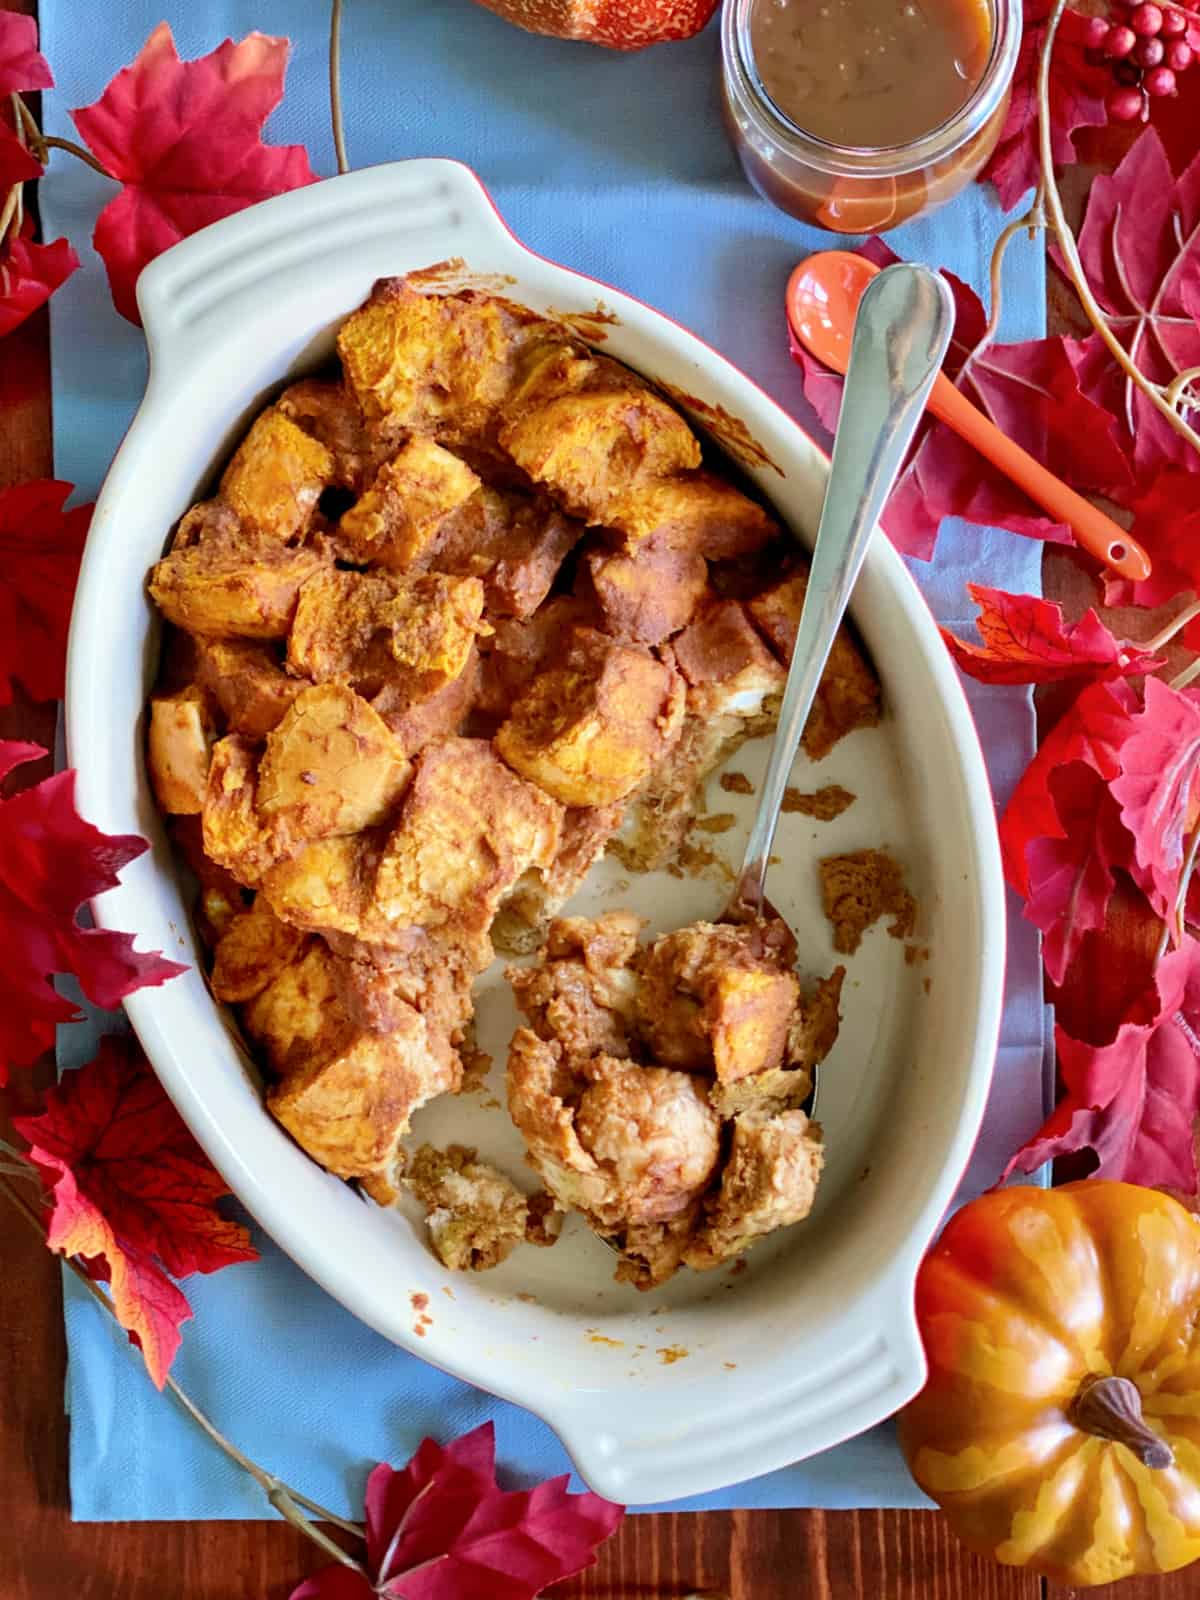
(822, 302)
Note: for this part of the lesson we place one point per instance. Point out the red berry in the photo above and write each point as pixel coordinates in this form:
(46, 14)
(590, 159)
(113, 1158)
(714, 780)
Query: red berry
(1179, 55)
(1146, 20)
(1174, 24)
(1149, 52)
(1095, 33)
(1120, 42)
(1124, 105)
(1159, 83)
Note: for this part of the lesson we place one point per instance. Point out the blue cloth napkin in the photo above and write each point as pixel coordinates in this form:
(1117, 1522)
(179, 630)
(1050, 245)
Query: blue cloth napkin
(617, 166)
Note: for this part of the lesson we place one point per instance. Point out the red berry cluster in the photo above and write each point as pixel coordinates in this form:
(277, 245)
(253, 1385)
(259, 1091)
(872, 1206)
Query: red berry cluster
(1148, 46)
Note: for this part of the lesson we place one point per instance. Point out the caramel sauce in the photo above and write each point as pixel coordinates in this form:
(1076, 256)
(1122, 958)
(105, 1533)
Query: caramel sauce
(870, 74)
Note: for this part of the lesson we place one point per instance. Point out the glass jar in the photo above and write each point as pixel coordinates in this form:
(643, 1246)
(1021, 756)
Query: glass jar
(851, 189)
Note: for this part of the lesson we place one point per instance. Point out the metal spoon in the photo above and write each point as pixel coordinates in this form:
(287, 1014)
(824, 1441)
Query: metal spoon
(901, 332)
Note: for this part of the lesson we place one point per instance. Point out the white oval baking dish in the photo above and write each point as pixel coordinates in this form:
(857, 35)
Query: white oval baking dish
(715, 1378)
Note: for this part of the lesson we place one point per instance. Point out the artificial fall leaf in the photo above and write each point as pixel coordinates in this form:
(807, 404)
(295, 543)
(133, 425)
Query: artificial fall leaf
(1029, 390)
(29, 275)
(1070, 871)
(1140, 249)
(442, 1529)
(184, 139)
(1166, 521)
(1025, 640)
(22, 66)
(1133, 1101)
(40, 547)
(1077, 89)
(1093, 731)
(133, 1193)
(51, 861)
(17, 164)
(1157, 789)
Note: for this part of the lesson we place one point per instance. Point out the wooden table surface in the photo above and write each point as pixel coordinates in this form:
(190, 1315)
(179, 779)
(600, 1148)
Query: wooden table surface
(741, 1555)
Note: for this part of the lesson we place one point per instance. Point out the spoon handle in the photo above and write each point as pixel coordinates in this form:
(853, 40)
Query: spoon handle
(1099, 535)
(901, 333)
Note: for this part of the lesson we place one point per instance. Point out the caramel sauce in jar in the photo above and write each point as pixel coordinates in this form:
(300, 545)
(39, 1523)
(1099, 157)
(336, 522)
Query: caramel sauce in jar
(859, 114)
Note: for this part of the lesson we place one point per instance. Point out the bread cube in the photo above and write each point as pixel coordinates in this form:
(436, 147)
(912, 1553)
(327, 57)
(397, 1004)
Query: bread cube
(247, 682)
(177, 751)
(848, 697)
(649, 595)
(438, 364)
(276, 477)
(395, 523)
(468, 829)
(694, 511)
(590, 730)
(515, 543)
(219, 582)
(346, 1094)
(332, 766)
(769, 1181)
(588, 429)
(326, 886)
(373, 629)
(254, 948)
(329, 413)
(233, 832)
(728, 669)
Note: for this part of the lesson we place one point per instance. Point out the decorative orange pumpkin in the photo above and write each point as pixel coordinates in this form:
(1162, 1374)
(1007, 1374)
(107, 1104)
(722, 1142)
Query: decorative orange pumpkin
(619, 24)
(1060, 1425)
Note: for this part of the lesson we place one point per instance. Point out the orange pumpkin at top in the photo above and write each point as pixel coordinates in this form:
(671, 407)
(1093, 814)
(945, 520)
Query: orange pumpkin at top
(619, 24)
(1059, 1428)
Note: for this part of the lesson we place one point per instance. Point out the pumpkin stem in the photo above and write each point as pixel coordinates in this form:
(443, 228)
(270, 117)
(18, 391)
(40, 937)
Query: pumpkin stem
(1111, 1408)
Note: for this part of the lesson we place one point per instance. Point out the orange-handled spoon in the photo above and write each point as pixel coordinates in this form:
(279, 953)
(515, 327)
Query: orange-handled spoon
(822, 302)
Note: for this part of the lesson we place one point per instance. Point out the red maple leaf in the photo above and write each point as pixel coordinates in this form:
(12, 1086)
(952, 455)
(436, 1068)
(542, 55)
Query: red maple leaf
(133, 1193)
(50, 862)
(1078, 86)
(1071, 870)
(1092, 731)
(1166, 520)
(40, 547)
(1133, 1101)
(1025, 640)
(442, 1529)
(22, 66)
(184, 139)
(17, 164)
(1029, 390)
(1140, 248)
(29, 275)
(1158, 787)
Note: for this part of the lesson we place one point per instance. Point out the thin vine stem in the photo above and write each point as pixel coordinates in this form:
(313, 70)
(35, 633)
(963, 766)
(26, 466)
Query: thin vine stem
(1070, 250)
(335, 86)
(286, 1500)
(1034, 220)
(1185, 878)
(1177, 623)
(52, 142)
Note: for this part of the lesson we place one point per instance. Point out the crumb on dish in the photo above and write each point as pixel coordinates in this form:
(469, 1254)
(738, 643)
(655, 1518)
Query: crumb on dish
(860, 888)
(476, 1216)
(823, 804)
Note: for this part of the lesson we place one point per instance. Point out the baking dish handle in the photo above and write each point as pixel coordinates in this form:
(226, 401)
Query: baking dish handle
(820, 1396)
(251, 269)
